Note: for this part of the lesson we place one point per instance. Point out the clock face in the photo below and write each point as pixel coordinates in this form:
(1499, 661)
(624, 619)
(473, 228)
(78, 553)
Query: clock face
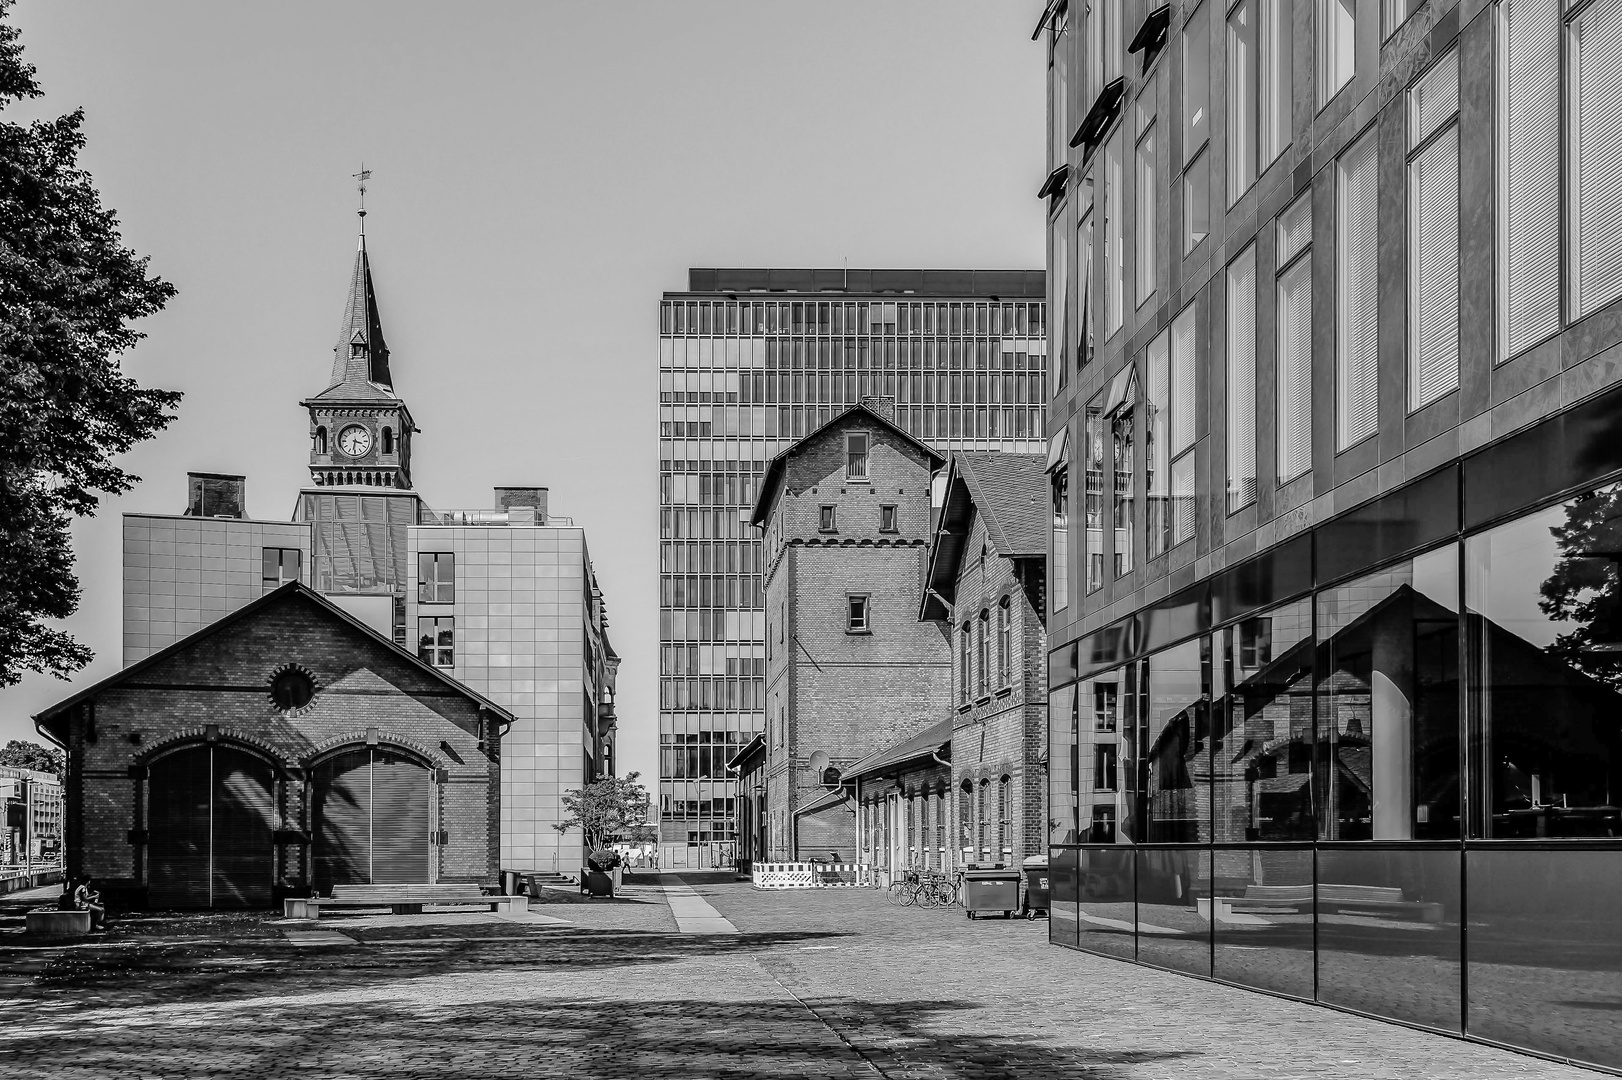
(354, 440)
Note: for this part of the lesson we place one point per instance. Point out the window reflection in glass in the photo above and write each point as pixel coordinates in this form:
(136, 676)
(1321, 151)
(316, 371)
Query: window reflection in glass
(1545, 602)
(1387, 763)
(1262, 752)
(1098, 757)
(1173, 740)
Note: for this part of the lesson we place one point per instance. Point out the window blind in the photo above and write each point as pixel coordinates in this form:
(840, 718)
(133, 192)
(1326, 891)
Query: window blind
(1596, 140)
(1158, 384)
(1273, 93)
(1242, 86)
(1357, 250)
(1114, 236)
(1241, 399)
(1433, 348)
(1295, 370)
(1145, 206)
(1529, 153)
(1295, 229)
(1182, 380)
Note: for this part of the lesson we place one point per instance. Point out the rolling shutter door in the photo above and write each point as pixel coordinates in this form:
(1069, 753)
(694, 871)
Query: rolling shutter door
(242, 843)
(342, 813)
(178, 825)
(400, 820)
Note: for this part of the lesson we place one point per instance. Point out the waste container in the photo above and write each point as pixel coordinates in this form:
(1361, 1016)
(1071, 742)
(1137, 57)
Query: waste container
(991, 890)
(1037, 890)
(510, 882)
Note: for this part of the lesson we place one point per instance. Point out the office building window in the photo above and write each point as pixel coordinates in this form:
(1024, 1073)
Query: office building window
(1114, 237)
(983, 652)
(1084, 290)
(1093, 449)
(857, 619)
(1357, 282)
(1060, 282)
(1393, 13)
(1119, 412)
(1337, 46)
(1196, 202)
(1104, 44)
(436, 641)
(1259, 97)
(1595, 184)
(1181, 448)
(1529, 174)
(856, 455)
(1059, 481)
(963, 673)
(1005, 642)
(1241, 380)
(436, 577)
(1144, 204)
(1433, 233)
(279, 566)
(1295, 339)
(1196, 81)
(1058, 88)
(887, 519)
(1157, 445)
(826, 521)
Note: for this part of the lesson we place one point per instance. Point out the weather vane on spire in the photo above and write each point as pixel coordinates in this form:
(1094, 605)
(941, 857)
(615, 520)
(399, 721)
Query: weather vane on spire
(361, 177)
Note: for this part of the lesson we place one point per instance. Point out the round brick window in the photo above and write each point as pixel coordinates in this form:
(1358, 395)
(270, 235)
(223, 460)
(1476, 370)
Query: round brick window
(291, 689)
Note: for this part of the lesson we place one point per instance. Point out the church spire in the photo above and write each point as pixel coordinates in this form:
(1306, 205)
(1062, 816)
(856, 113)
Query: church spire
(361, 355)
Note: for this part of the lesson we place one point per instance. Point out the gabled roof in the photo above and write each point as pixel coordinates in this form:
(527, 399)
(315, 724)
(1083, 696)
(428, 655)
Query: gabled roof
(775, 469)
(1009, 493)
(292, 590)
(360, 374)
(931, 740)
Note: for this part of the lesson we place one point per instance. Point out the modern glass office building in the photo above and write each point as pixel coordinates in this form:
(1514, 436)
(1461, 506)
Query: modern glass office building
(1336, 467)
(749, 361)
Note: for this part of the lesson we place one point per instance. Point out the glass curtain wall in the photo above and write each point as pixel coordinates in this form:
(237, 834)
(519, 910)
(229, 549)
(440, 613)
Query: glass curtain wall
(739, 381)
(1308, 798)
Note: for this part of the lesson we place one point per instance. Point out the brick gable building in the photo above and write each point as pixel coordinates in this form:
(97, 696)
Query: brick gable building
(849, 669)
(984, 586)
(284, 747)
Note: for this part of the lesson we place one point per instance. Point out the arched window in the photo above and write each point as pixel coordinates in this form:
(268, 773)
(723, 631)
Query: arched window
(321, 440)
(1005, 809)
(983, 657)
(965, 819)
(1005, 643)
(982, 821)
(388, 441)
(963, 667)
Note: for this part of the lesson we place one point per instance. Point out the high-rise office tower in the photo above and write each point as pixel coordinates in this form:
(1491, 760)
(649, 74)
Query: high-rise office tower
(749, 361)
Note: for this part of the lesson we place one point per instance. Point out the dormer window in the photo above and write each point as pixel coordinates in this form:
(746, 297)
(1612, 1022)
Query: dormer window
(357, 348)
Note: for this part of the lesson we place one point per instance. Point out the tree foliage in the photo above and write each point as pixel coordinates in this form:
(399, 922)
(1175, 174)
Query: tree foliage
(18, 754)
(1584, 590)
(69, 292)
(605, 810)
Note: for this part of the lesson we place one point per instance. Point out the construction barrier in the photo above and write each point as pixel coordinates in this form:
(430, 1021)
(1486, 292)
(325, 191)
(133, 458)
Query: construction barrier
(809, 875)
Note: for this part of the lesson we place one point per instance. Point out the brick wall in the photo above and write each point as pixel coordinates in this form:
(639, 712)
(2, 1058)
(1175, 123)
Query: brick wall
(218, 688)
(834, 696)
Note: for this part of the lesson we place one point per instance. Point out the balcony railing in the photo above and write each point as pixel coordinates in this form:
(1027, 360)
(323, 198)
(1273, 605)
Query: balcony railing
(517, 516)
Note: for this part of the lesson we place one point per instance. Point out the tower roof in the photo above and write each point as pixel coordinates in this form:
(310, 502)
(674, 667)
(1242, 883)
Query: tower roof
(362, 371)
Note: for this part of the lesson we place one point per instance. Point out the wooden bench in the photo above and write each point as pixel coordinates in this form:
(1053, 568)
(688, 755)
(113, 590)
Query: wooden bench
(403, 900)
(1352, 899)
(50, 922)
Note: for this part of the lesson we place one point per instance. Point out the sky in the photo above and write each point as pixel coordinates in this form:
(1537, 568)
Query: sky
(541, 173)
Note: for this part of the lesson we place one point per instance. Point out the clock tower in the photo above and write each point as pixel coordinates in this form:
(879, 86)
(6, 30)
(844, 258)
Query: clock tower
(360, 431)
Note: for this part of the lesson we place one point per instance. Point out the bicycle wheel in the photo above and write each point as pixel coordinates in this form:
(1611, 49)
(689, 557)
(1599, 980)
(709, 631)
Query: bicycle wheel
(897, 893)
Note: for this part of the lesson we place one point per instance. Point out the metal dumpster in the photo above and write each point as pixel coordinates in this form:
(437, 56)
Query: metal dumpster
(1037, 892)
(986, 891)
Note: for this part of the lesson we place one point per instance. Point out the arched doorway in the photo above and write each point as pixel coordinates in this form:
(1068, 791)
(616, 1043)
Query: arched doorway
(210, 812)
(371, 816)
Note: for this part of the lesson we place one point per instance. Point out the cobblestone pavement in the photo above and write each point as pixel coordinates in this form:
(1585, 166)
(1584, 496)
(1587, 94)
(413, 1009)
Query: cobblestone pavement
(831, 983)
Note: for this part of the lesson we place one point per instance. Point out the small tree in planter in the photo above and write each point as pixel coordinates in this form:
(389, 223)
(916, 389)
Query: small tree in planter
(606, 809)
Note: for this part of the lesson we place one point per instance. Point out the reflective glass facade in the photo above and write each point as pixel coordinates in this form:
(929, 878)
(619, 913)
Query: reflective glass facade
(750, 361)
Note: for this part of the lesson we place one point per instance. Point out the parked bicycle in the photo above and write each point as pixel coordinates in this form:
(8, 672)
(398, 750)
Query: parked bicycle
(922, 888)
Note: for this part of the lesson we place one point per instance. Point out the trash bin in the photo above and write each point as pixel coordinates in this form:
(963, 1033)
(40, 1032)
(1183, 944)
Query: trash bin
(991, 890)
(510, 883)
(1037, 890)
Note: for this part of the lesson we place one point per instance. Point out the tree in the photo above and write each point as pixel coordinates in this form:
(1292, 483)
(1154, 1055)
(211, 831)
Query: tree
(69, 292)
(18, 754)
(1584, 589)
(605, 809)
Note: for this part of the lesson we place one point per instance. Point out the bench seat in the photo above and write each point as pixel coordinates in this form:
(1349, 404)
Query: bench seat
(1335, 898)
(51, 922)
(402, 900)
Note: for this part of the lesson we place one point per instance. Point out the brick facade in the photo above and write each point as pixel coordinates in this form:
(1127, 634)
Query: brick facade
(214, 689)
(835, 693)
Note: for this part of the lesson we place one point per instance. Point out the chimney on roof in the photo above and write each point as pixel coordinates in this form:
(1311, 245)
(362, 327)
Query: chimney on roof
(533, 498)
(883, 404)
(216, 495)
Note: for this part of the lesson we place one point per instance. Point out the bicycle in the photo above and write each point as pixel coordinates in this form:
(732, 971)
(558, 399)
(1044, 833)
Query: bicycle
(922, 888)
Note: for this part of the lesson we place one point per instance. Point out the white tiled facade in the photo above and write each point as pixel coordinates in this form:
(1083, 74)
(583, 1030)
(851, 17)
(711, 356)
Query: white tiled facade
(182, 573)
(526, 624)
